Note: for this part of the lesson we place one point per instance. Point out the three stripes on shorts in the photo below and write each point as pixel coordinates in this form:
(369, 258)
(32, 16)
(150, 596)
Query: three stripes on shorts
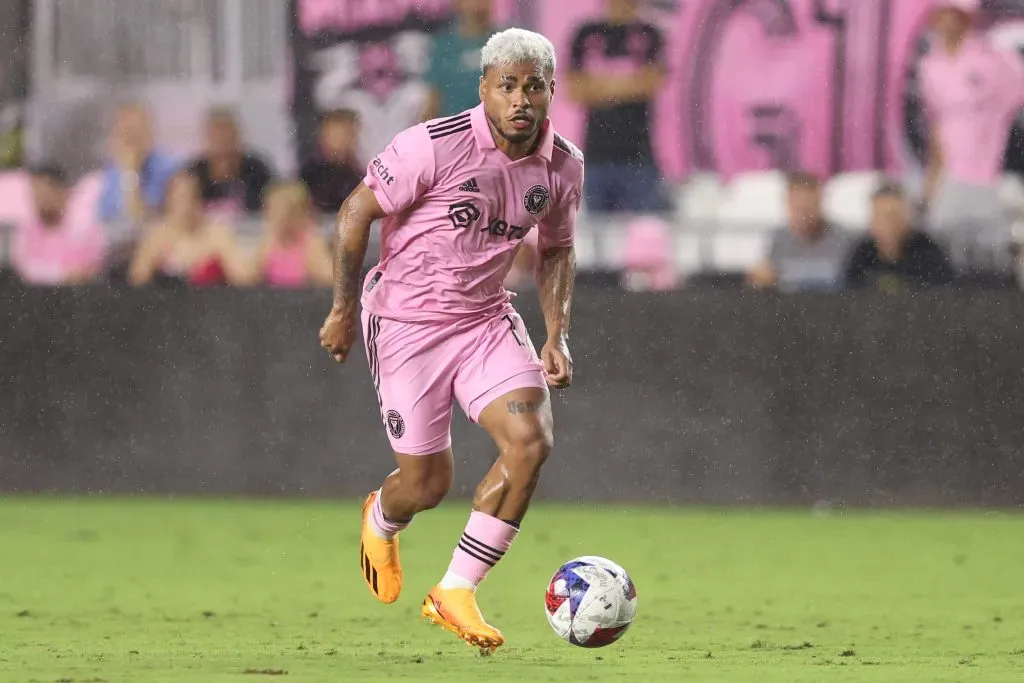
(372, 332)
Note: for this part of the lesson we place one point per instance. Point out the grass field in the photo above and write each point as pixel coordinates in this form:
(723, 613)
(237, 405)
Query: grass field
(143, 590)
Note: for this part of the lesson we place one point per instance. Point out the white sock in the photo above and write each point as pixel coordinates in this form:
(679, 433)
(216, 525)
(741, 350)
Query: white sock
(451, 580)
(381, 525)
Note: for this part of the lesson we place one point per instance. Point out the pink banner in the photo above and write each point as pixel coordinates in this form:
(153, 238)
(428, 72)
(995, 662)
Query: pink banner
(824, 84)
(352, 16)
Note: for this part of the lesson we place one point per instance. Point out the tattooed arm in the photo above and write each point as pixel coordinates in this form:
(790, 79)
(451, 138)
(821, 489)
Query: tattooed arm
(556, 278)
(557, 275)
(351, 237)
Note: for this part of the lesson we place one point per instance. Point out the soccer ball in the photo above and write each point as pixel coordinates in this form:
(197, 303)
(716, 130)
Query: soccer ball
(590, 601)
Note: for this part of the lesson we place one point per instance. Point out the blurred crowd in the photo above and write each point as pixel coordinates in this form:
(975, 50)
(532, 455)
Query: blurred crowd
(227, 218)
(149, 217)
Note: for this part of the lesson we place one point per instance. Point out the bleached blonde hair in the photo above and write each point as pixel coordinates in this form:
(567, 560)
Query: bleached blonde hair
(515, 46)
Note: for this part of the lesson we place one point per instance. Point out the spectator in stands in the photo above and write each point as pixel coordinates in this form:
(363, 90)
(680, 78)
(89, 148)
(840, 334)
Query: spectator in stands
(895, 255)
(648, 262)
(455, 62)
(137, 173)
(808, 254)
(334, 172)
(972, 93)
(186, 246)
(56, 244)
(616, 72)
(232, 179)
(293, 253)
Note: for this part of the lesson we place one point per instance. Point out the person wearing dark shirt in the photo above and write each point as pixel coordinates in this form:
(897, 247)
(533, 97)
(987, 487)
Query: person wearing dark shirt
(333, 173)
(895, 256)
(616, 73)
(232, 180)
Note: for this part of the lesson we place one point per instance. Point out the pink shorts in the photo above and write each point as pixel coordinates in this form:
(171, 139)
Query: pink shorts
(419, 368)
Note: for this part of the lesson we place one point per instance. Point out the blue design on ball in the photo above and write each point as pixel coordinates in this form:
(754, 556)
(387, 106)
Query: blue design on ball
(576, 585)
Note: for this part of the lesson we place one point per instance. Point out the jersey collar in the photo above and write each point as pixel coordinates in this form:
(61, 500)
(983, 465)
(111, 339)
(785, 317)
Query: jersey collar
(485, 140)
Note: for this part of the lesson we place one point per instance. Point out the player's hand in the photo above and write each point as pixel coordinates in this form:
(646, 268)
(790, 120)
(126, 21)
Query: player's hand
(337, 333)
(557, 363)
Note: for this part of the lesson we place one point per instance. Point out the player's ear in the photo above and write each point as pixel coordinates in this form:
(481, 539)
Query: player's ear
(552, 87)
(480, 89)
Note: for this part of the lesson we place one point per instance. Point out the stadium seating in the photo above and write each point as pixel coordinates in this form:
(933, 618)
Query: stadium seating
(753, 202)
(847, 199)
(718, 228)
(1011, 194)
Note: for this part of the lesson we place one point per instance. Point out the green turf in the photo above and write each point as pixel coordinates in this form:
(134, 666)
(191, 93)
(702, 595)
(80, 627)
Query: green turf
(150, 590)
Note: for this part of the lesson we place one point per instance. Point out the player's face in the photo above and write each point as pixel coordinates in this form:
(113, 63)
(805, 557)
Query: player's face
(516, 99)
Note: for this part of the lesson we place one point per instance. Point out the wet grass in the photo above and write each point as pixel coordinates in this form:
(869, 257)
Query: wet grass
(107, 590)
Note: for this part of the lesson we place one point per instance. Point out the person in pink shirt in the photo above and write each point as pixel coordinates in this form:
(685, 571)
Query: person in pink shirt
(56, 244)
(292, 253)
(972, 93)
(456, 197)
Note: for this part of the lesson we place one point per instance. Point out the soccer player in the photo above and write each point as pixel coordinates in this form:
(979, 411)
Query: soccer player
(457, 196)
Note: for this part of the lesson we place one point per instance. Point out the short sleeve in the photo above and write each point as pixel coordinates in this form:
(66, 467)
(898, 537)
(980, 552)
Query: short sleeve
(558, 229)
(403, 172)
(1011, 77)
(91, 247)
(162, 171)
(108, 209)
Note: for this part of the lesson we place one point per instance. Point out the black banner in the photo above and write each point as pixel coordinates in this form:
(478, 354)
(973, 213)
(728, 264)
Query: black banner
(365, 56)
(15, 41)
(711, 397)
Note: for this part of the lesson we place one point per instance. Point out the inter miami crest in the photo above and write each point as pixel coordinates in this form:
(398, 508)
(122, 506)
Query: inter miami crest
(536, 198)
(396, 425)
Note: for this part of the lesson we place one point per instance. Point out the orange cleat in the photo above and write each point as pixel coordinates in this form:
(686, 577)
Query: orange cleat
(455, 610)
(378, 559)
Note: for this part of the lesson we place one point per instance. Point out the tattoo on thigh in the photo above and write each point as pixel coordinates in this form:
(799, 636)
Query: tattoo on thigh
(522, 407)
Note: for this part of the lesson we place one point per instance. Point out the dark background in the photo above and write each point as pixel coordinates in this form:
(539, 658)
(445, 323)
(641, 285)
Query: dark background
(700, 396)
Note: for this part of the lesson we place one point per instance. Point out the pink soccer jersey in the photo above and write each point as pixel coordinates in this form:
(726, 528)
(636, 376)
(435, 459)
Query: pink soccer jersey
(457, 210)
(972, 98)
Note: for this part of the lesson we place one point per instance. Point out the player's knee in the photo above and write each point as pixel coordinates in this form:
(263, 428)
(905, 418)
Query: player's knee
(432, 490)
(529, 448)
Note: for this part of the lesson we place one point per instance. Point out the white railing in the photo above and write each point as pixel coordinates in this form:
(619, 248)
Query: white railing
(180, 56)
(156, 42)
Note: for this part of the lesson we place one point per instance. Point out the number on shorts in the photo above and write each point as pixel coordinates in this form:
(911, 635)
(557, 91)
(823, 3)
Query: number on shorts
(512, 327)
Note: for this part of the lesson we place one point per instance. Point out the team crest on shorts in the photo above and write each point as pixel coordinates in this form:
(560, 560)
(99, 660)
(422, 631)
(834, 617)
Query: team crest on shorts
(396, 425)
(536, 198)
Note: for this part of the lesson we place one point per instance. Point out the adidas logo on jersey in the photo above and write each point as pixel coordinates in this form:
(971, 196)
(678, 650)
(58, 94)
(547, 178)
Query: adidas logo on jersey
(470, 186)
